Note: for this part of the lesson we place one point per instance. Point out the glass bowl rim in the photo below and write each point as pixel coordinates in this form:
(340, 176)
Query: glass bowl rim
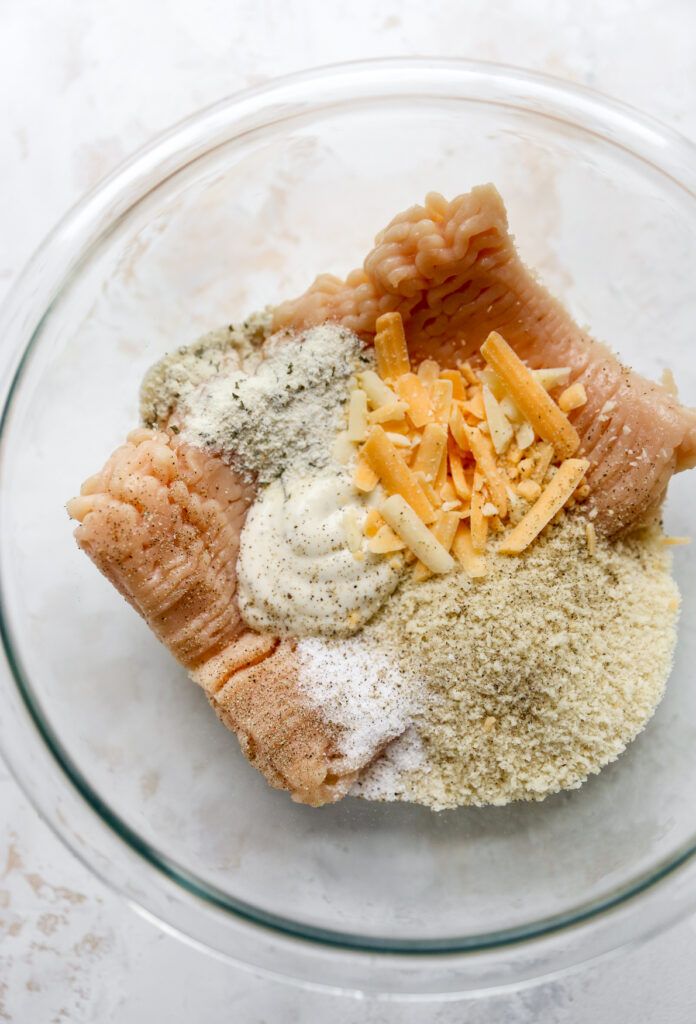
(95, 216)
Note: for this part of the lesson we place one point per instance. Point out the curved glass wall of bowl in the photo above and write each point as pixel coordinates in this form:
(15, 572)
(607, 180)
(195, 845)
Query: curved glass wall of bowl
(241, 206)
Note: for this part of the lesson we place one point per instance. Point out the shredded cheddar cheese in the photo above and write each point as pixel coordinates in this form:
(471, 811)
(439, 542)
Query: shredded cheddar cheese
(468, 374)
(441, 392)
(431, 451)
(443, 531)
(458, 429)
(428, 371)
(524, 435)
(529, 489)
(376, 390)
(411, 390)
(394, 474)
(460, 448)
(416, 535)
(385, 541)
(400, 440)
(542, 461)
(372, 523)
(479, 522)
(473, 563)
(553, 377)
(460, 483)
(498, 423)
(485, 461)
(573, 397)
(430, 492)
(458, 384)
(551, 501)
(531, 398)
(364, 478)
(390, 346)
(385, 413)
(474, 406)
(357, 415)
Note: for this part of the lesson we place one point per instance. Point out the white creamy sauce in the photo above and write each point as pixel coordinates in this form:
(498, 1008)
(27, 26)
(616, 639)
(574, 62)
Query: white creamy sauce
(296, 575)
(278, 427)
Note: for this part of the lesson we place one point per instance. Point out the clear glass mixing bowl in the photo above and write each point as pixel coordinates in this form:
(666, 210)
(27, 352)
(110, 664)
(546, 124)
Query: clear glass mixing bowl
(235, 208)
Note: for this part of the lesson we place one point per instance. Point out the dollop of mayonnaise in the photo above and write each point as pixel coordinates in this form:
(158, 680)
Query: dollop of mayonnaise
(296, 574)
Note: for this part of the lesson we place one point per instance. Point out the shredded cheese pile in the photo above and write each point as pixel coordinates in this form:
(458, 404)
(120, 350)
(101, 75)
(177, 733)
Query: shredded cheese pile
(455, 450)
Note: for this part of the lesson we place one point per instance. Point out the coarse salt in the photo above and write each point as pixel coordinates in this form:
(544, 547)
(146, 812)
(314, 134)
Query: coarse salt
(358, 688)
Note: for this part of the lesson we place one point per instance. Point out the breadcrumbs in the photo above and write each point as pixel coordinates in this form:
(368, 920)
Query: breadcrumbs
(539, 674)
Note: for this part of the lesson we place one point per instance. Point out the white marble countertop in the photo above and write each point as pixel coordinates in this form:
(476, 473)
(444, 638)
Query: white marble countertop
(82, 84)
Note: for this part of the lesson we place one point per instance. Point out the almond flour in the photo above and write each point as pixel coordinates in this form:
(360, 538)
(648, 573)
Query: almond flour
(534, 677)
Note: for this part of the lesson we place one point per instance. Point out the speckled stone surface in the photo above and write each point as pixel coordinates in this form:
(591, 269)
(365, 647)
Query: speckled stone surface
(82, 84)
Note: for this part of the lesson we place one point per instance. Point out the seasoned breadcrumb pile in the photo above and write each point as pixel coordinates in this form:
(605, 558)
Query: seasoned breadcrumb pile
(540, 673)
